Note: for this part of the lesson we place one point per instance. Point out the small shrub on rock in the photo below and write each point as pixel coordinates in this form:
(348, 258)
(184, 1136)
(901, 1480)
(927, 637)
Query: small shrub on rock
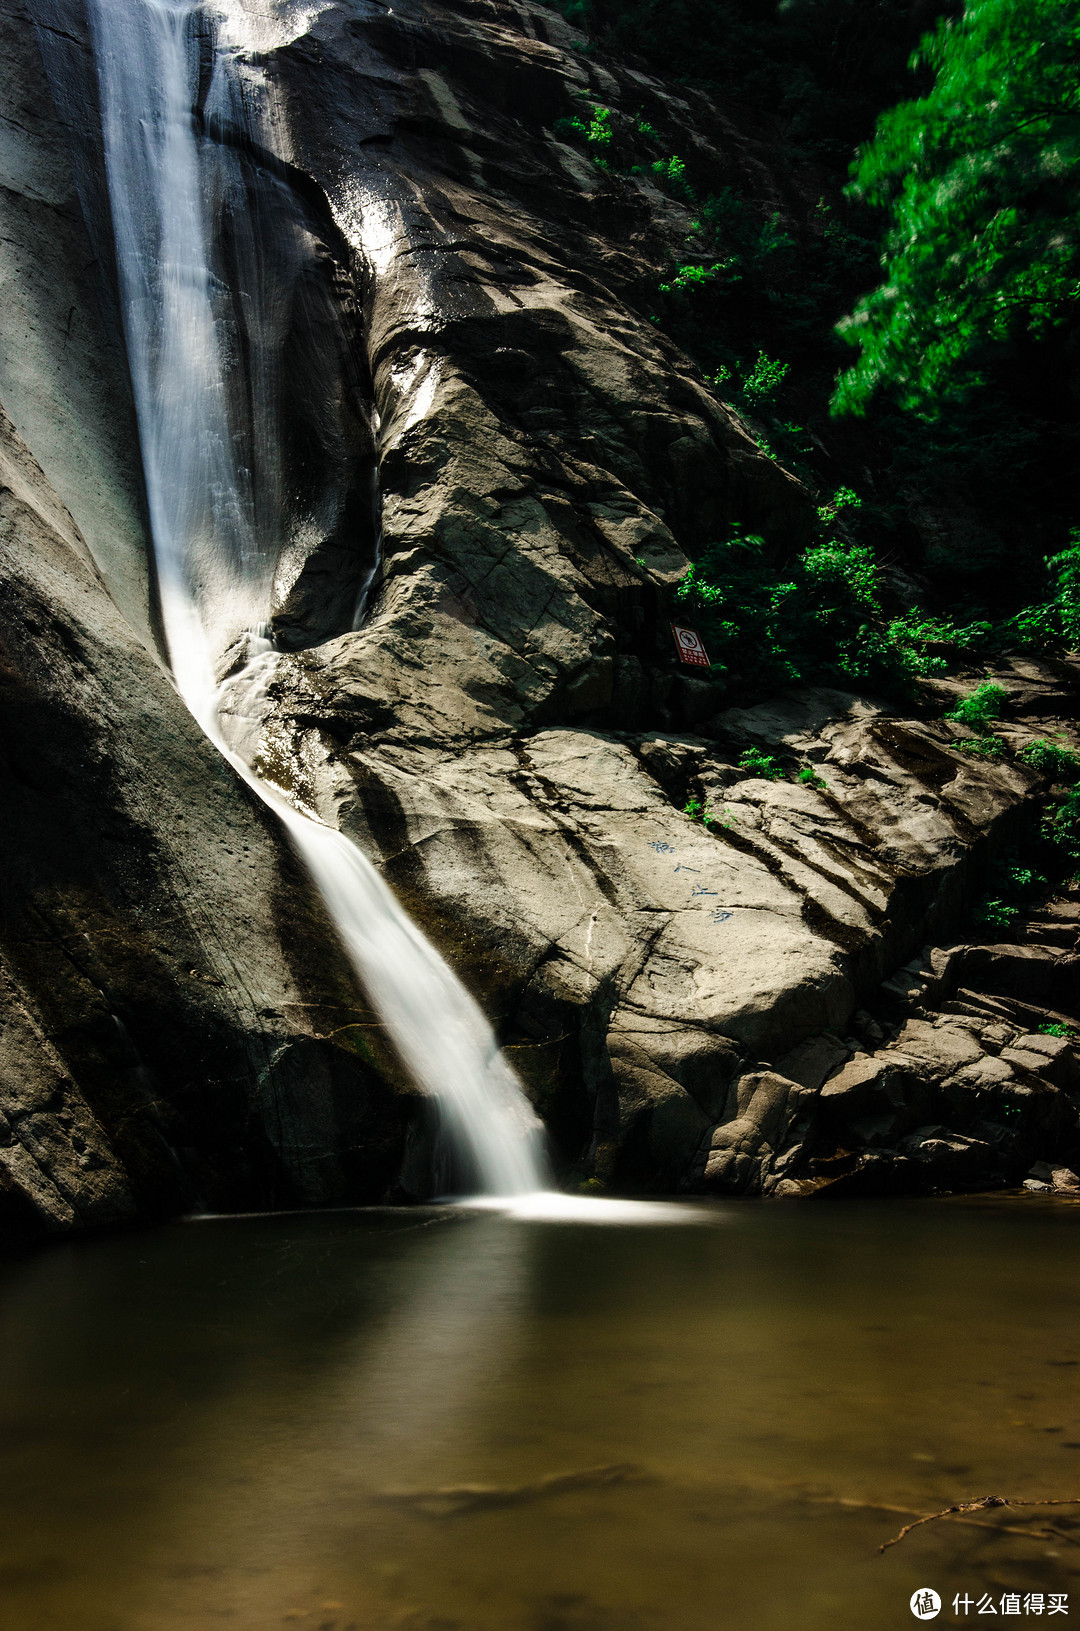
(983, 747)
(1055, 621)
(760, 764)
(1060, 764)
(993, 913)
(1014, 887)
(1061, 828)
(980, 706)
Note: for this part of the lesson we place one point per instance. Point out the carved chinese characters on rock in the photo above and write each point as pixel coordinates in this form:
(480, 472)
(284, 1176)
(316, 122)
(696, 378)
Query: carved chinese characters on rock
(699, 892)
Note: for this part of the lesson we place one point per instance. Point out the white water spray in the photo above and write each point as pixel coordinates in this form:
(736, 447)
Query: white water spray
(214, 542)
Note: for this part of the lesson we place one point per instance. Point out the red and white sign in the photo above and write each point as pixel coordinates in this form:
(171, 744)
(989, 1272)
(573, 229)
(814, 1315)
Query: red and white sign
(690, 647)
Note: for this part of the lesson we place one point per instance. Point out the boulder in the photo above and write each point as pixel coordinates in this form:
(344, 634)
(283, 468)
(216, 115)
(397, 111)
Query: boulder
(942, 1047)
(948, 1160)
(1051, 1057)
(769, 1119)
(1060, 1179)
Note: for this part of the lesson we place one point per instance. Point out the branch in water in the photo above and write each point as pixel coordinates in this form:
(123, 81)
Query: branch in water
(968, 1523)
(979, 1506)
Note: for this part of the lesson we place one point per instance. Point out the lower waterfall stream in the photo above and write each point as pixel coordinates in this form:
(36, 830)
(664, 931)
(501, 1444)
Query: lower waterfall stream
(212, 515)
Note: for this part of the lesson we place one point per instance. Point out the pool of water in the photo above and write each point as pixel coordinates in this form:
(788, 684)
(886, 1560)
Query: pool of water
(459, 1421)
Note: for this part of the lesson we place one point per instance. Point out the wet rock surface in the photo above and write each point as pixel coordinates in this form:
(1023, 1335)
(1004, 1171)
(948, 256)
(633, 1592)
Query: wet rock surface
(705, 1006)
(176, 1029)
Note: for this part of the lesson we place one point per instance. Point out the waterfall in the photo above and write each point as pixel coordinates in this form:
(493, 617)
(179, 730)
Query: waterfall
(201, 356)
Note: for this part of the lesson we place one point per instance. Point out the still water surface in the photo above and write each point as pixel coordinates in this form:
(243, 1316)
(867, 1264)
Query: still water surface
(247, 1423)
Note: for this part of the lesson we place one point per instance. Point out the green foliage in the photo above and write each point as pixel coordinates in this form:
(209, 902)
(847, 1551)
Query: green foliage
(843, 576)
(763, 765)
(698, 810)
(1055, 621)
(1024, 880)
(808, 777)
(596, 133)
(672, 173)
(980, 706)
(983, 747)
(753, 293)
(1053, 760)
(982, 182)
(819, 617)
(816, 617)
(1053, 1028)
(843, 499)
(729, 240)
(916, 645)
(977, 709)
(1015, 886)
(1061, 829)
(691, 276)
(743, 610)
(994, 913)
(752, 388)
(765, 378)
(1048, 855)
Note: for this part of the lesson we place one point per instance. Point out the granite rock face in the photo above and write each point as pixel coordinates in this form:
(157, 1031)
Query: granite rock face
(956, 1083)
(509, 732)
(167, 976)
(508, 735)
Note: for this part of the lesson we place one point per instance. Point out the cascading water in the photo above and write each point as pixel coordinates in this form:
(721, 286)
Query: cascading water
(214, 487)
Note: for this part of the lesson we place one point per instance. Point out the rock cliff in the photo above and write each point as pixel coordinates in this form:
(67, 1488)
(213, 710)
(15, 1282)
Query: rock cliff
(690, 1005)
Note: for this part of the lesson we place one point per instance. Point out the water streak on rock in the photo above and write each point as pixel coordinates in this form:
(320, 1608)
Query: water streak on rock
(201, 350)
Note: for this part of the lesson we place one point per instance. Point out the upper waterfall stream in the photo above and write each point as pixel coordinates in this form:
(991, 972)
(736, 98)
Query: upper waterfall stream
(202, 359)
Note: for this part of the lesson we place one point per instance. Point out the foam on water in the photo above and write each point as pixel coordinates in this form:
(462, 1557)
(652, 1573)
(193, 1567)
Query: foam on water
(552, 1206)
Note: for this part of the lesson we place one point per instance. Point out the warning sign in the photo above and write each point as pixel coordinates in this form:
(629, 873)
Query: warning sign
(690, 647)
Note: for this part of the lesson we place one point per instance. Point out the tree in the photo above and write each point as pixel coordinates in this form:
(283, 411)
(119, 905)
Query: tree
(982, 181)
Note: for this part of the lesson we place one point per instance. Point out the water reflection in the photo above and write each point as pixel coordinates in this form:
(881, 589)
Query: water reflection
(419, 1381)
(218, 1421)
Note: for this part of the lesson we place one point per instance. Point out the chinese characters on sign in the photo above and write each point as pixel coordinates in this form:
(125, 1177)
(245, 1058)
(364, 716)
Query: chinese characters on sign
(689, 646)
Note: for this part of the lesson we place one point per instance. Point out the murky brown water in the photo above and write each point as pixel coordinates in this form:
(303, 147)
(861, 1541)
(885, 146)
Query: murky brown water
(201, 1425)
